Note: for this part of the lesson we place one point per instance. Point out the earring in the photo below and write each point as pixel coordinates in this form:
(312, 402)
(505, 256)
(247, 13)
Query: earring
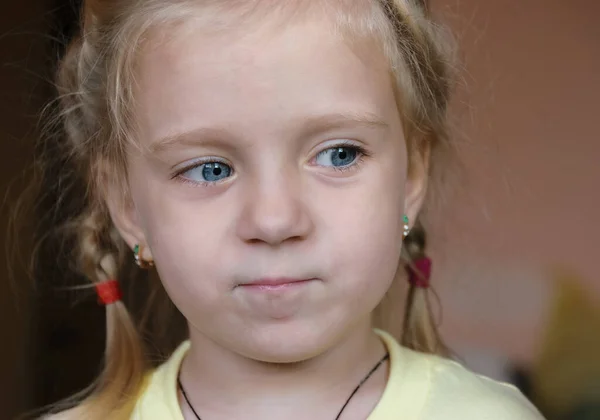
(137, 255)
(406, 225)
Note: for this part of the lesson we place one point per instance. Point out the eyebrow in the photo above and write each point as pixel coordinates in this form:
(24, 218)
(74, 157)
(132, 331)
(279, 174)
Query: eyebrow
(323, 123)
(214, 136)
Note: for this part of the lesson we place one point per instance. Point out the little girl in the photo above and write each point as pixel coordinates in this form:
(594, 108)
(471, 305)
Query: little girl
(266, 158)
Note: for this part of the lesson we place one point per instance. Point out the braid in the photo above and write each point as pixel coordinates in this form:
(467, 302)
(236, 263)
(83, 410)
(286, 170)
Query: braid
(98, 262)
(419, 329)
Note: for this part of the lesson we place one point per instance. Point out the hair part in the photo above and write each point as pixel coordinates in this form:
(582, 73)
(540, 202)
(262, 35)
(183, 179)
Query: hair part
(96, 83)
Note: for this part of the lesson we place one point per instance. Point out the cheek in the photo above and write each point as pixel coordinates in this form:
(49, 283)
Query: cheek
(368, 237)
(188, 242)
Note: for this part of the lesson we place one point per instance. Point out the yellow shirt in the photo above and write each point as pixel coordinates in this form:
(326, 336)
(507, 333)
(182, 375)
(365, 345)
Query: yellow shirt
(420, 387)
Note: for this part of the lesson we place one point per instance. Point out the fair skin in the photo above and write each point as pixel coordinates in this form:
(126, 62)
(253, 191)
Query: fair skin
(284, 114)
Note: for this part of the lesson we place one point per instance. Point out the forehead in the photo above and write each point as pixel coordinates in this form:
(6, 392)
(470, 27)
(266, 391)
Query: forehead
(258, 77)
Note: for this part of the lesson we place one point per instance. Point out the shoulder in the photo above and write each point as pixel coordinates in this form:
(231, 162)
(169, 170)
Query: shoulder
(428, 387)
(456, 392)
(159, 399)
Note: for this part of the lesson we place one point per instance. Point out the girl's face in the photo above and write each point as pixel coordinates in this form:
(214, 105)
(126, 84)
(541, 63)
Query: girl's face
(272, 185)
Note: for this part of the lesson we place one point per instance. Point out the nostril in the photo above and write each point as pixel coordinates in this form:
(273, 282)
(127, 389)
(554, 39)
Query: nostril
(255, 241)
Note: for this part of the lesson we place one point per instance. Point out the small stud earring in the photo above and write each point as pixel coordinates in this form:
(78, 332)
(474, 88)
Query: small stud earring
(137, 255)
(406, 225)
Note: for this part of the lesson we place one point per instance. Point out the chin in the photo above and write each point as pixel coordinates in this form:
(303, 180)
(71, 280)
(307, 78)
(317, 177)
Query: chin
(285, 343)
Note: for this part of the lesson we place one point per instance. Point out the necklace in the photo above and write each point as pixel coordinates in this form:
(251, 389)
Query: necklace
(361, 383)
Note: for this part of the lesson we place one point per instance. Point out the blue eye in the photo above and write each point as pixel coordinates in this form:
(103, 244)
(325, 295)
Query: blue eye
(208, 172)
(338, 157)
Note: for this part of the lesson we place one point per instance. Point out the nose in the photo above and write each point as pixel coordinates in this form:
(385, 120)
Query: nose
(274, 212)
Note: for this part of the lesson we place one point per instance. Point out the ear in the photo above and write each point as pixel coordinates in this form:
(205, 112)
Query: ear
(417, 181)
(125, 217)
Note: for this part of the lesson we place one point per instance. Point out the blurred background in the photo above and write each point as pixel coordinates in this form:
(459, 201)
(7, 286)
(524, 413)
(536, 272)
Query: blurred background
(515, 248)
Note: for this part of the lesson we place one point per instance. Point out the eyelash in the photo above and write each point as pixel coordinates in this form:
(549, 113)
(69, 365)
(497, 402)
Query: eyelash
(361, 152)
(179, 178)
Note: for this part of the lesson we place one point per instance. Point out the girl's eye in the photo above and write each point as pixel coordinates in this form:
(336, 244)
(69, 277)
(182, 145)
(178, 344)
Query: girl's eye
(338, 157)
(208, 172)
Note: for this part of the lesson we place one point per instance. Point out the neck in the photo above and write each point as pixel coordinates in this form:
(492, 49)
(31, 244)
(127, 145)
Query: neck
(220, 381)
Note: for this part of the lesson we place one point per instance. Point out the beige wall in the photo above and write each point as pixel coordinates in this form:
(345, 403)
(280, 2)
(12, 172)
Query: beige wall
(529, 119)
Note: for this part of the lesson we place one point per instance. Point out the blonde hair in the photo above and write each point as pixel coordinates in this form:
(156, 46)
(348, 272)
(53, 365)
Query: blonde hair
(95, 84)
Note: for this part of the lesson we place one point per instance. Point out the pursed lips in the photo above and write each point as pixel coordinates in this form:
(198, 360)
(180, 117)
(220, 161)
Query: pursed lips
(274, 283)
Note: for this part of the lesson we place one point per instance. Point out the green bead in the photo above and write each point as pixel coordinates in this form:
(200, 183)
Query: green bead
(405, 218)
(136, 249)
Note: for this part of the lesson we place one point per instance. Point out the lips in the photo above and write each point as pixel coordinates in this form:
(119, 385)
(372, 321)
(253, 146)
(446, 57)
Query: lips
(275, 298)
(275, 281)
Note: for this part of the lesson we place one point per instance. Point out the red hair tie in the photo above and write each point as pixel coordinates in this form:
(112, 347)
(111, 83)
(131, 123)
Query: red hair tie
(419, 273)
(108, 292)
